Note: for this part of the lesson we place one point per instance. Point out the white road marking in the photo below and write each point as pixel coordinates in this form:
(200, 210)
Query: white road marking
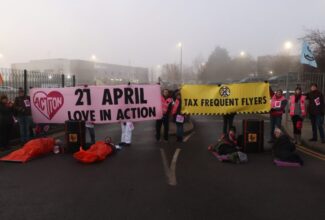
(165, 163)
(188, 136)
(170, 171)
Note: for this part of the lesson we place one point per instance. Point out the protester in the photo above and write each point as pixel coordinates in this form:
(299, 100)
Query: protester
(6, 122)
(297, 113)
(32, 149)
(166, 102)
(178, 117)
(228, 145)
(126, 136)
(97, 152)
(316, 112)
(278, 104)
(23, 111)
(228, 121)
(91, 130)
(283, 148)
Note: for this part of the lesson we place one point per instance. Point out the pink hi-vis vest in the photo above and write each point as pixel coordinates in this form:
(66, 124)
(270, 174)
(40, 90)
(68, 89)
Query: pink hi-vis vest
(276, 103)
(165, 103)
(302, 105)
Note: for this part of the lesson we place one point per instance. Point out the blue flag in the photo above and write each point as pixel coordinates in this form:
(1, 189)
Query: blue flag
(307, 56)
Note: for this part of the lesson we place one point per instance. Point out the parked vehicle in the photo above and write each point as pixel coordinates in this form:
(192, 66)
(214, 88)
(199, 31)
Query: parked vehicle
(252, 79)
(280, 82)
(7, 89)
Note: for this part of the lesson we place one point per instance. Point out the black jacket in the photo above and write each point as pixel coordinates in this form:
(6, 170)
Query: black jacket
(316, 103)
(6, 116)
(22, 106)
(283, 148)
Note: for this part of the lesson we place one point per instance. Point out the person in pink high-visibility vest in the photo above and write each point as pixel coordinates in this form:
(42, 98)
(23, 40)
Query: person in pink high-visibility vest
(179, 118)
(278, 104)
(297, 113)
(166, 103)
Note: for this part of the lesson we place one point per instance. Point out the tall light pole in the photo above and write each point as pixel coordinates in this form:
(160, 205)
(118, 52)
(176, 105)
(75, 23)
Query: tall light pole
(287, 46)
(180, 46)
(94, 58)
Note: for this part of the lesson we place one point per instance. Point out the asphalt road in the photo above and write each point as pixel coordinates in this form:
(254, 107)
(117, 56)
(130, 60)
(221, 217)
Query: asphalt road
(152, 180)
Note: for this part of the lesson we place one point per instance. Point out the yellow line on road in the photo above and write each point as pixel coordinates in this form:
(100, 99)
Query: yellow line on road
(311, 153)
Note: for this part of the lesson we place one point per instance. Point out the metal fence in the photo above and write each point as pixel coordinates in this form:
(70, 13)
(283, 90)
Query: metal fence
(306, 79)
(303, 80)
(13, 79)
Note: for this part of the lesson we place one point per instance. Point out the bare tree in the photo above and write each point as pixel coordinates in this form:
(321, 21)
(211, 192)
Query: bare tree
(171, 73)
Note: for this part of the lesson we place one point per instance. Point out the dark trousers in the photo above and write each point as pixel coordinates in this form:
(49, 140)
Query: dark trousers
(228, 121)
(92, 134)
(5, 136)
(25, 123)
(317, 121)
(295, 119)
(275, 121)
(179, 131)
(164, 121)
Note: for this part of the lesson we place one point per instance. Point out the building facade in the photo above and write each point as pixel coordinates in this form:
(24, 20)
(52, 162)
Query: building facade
(88, 72)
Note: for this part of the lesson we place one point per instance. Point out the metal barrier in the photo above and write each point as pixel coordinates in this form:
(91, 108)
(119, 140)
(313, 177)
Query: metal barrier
(13, 79)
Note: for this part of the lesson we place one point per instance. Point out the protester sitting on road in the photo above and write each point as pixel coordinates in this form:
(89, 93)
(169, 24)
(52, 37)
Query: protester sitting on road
(227, 145)
(297, 113)
(283, 148)
(6, 122)
(228, 120)
(166, 102)
(316, 112)
(178, 117)
(23, 111)
(278, 104)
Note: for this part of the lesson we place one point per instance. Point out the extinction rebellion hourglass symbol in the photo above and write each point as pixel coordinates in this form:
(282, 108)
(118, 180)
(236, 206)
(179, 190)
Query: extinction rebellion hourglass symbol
(224, 91)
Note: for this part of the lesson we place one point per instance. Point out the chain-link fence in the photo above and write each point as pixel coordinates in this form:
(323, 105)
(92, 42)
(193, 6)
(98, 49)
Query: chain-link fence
(291, 80)
(306, 79)
(11, 80)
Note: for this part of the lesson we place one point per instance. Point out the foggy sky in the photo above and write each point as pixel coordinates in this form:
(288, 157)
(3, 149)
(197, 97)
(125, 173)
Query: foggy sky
(145, 32)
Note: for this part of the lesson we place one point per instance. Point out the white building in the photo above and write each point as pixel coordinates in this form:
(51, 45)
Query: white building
(88, 72)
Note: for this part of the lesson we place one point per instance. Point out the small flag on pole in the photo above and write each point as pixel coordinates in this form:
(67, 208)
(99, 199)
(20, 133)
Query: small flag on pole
(1, 79)
(307, 56)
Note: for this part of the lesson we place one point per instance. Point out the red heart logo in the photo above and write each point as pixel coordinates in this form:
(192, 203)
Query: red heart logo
(48, 104)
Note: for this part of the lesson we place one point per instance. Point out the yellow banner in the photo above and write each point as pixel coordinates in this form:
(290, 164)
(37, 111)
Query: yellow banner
(223, 99)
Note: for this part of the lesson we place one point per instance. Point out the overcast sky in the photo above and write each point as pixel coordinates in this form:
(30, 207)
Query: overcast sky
(145, 32)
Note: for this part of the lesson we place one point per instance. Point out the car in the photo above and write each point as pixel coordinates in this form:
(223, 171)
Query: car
(8, 89)
(280, 82)
(252, 79)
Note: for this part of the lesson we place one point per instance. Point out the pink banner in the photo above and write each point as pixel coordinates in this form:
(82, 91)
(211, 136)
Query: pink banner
(97, 104)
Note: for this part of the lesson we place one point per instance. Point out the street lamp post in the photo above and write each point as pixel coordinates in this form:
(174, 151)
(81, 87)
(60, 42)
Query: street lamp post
(180, 46)
(287, 46)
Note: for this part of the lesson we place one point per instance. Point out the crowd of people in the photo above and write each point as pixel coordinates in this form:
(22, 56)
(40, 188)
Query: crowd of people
(300, 105)
(11, 112)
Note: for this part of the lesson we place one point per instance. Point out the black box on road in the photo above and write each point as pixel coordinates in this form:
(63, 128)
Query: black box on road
(75, 135)
(253, 135)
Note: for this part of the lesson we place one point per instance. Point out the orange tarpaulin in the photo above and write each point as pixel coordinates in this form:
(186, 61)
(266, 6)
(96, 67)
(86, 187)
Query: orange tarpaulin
(97, 152)
(32, 149)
